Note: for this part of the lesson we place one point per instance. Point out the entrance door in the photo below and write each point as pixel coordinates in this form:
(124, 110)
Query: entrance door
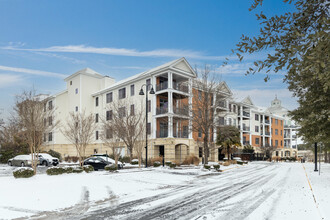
(220, 155)
(161, 151)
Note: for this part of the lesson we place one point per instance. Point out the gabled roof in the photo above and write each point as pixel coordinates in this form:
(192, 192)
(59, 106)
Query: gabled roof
(225, 88)
(86, 71)
(247, 100)
(180, 64)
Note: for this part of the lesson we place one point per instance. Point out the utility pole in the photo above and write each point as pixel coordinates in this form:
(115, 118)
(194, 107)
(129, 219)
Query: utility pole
(315, 170)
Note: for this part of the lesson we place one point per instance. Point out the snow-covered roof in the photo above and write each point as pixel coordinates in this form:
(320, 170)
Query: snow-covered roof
(86, 71)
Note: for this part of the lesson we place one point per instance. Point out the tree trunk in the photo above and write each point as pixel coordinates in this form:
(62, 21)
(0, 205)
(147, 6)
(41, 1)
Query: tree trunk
(130, 153)
(206, 152)
(326, 156)
(228, 152)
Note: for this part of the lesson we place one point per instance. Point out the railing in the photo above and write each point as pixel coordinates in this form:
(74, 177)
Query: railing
(162, 86)
(180, 87)
(163, 133)
(181, 111)
(267, 133)
(247, 114)
(180, 134)
(221, 104)
(294, 136)
(161, 110)
(246, 128)
(266, 121)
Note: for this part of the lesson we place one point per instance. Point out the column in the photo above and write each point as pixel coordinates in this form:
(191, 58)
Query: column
(263, 130)
(170, 80)
(170, 102)
(250, 129)
(190, 107)
(153, 110)
(270, 131)
(170, 126)
(241, 123)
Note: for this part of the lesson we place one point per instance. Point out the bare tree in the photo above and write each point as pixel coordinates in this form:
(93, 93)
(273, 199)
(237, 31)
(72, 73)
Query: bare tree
(202, 109)
(36, 120)
(79, 130)
(110, 139)
(126, 121)
(140, 143)
(268, 150)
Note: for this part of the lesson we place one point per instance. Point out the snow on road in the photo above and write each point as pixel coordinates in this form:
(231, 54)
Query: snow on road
(260, 190)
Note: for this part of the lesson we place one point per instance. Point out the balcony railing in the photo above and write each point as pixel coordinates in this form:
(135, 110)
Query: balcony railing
(162, 86)
(180, 87)
(161, 110)
(267, 133)
(221, 104)
(180, 134)
(266, 121)
(246, 128)
(163, 133)
(181, 111)
(247, 114)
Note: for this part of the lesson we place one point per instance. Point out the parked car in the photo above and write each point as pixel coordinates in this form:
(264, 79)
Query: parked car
(107, 158)
(20, 160)
(98, 163)
(46, 159)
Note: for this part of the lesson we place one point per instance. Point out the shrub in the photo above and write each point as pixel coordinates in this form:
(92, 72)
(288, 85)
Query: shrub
(227, 163)
(55, 154)
(111, 167)
(23, 172)
(156, 164)
(206, 166)
(135, 162)
(124, 159)
(191, 159)
(168, 163)
(176, 162)
(172, 165)
(153, 160)
(73, 159)
(77, 170)
(68, 169)
(55, 171)
(240, 162)
(217, 167)
(88, 168)
(233, 161)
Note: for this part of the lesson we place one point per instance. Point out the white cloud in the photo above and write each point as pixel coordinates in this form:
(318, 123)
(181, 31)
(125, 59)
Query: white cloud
(9, 80)
(123, 51)
(263, 97)
(32, 72)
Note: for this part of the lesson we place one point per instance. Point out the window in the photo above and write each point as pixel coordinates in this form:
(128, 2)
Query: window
(276, 143)
(256, 117)
(281, 143)
(97, 135)
(149, 105)
(132, 109)
(50, 121)
(96, 118)
(122, 112)
(132, 90)
(109, 134)
(234, 122)
(76, 108)
(50, 136)
(199, 133)
(200, 95)
(276, 131)
(122, 93)
(229, 107)
(276, 121)
(149, 128)
(109, 115)
(70, 83)
(221, 121)
(45, 122)
(234, 108)
(200, 152)
(256, 128)
(109, 97)
(272, 131)
(45, 137)
(281, 123)
(281, 133)
(257, 140)
(76, 90)
(97, 101)
(50, 105)
(148, 82)
(45, 107)
(229, 121)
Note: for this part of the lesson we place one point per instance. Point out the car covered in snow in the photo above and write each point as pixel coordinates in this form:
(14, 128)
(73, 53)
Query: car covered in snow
(100, 161)
(21, 160)
(46, 159)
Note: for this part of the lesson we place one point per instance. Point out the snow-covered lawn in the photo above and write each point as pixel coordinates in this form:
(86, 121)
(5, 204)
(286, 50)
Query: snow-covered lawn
(259, 190)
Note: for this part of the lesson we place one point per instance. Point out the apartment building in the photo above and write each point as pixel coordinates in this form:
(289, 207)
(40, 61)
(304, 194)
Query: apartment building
(170, 126)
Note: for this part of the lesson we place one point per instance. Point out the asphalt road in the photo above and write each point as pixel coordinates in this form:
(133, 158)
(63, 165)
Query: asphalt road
(214, 196)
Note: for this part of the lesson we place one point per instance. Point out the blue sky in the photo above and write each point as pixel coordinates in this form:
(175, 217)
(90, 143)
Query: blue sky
(41, 42)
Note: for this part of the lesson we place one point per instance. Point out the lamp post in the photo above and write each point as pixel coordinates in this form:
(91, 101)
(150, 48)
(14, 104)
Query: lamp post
(142, 93)
(315, 157)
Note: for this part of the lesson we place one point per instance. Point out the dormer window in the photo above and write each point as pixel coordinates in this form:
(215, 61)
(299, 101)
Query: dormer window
(70, 83)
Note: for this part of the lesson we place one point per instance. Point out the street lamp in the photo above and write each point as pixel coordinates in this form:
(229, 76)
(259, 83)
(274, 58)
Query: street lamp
(142, 93)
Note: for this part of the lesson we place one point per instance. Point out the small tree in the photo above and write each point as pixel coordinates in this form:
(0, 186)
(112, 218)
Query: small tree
(268, 150)
(35, 120)
(110, 140)
(248, 149)
(229, 138)
(79, 130)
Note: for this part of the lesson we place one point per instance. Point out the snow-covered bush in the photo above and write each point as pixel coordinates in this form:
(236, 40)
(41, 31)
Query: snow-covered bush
(77, 170)
(227, 163)
(240, 162)
(216, 167)
(168, 163)
(135, 162)
(88, 168)
(156, 164)
(23, 172)
(111, 167)
(191, 159)
(206, 166)
(172, 165)
(55, 171)
(68, 169)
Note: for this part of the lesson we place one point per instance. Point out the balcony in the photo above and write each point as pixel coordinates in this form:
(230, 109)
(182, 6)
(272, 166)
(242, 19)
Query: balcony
(162, 86)
(180, 87)
(221, 104)
(163, 133)
(267, 133)
(181, 111)
(161, 110)
(266, 121)
(181, 134)
(246, 114)
(246, 128)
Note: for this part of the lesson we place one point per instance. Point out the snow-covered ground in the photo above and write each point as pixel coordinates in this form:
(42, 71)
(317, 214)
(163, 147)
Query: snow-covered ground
(259, 190)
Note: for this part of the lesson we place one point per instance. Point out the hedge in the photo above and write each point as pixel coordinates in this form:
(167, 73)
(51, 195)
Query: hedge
(88, 168)
(156, 164)
(111, 167)
(23, 172)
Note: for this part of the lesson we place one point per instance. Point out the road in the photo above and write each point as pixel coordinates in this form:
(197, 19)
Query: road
(232, 194)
